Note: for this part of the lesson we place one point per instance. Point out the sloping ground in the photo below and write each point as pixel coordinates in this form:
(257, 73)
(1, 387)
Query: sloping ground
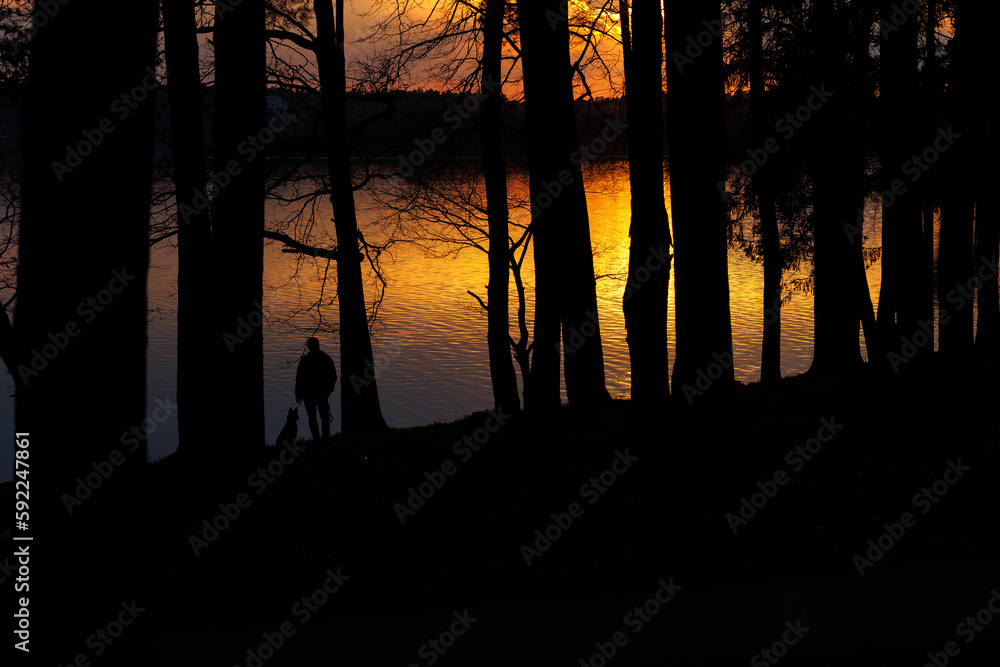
(334, 518)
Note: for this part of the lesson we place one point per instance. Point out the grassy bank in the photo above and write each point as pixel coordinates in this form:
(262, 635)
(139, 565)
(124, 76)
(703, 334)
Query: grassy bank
(345, 504)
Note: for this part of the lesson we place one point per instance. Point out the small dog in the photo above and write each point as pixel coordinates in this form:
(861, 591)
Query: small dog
(290, 430)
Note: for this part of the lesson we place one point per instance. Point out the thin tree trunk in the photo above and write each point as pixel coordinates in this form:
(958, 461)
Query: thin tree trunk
(955, 435)
(890, 147)
(545, 357)
(770, 355)
(955, 251)
(82, 304)
(495, 174)
(645, 297)
(902, 131)
(194, 341)
(238, 225)
(924, 288)
(860, 82)
(987, 211)
(360, 405)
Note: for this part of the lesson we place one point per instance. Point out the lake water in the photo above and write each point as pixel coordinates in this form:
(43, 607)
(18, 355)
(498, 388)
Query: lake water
(431, 334)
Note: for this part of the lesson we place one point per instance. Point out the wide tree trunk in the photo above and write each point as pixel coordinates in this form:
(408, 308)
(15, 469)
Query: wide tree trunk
(238, 225)
(80, 326)
(695, 137)
(564, 266)
(359, 399)
(194, 339)
(495, 174)
(236, 445)
(836, 176)
(644, 302)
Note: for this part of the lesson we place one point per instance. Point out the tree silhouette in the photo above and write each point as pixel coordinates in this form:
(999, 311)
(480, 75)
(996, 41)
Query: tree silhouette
(87, 143)
(695, 123)
(360, 409)
(564, 270)
(645, 297)
(194, 231)
(495, 174)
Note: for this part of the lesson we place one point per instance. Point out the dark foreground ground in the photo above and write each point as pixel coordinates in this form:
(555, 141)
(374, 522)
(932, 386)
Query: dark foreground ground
(787, 581)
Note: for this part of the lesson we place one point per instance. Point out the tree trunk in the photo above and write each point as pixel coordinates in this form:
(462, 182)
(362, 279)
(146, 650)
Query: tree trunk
(81, 316)
(955, 436)
(194, 339)
(644, 302)
(237, 226)
(903, 269)
(237, 211)
(955, 250)
(923, 294)
(695, 137)
(360, 407)
(536, 46)
(835, 187)
(564, 269)
(504, 380)
(770, 351)
(987, 211)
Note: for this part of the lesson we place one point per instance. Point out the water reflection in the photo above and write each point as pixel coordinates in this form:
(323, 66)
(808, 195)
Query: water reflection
(431, 341)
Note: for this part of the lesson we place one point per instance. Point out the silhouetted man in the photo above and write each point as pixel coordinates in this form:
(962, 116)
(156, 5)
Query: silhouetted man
(315, 379)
